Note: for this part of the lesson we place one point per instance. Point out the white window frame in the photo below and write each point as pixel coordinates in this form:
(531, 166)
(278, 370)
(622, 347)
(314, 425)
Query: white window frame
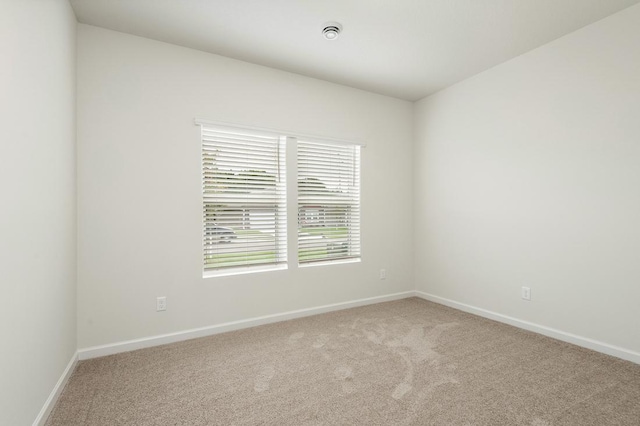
(352, 201)
(290, 139)
(243, 196)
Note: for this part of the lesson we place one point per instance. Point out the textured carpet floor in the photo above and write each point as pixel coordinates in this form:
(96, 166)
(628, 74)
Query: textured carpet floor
(408, 362)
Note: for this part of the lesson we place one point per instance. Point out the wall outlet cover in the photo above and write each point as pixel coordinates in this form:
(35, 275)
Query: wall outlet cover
(161, 304)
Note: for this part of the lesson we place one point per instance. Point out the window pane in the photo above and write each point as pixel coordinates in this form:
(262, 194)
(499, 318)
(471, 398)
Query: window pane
(328, 202)
(243, 180)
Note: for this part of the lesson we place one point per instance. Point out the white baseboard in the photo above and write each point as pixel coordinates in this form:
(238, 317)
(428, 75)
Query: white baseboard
(55, 393)
(146, 342)
(585, 342)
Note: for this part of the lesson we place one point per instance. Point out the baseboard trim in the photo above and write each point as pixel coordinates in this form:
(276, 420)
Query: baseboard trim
(163, 339)
(584, 342)
(55, 393)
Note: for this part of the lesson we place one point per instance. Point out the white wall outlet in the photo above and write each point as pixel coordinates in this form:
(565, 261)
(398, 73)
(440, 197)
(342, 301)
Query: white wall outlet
(383, 274)
(161, 304)
(526, 293)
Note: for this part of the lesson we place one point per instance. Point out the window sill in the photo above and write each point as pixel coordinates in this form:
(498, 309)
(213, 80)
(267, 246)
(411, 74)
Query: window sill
(243, 270)
(329, 262)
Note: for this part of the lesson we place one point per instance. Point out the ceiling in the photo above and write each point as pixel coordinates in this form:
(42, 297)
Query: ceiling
(403, 48)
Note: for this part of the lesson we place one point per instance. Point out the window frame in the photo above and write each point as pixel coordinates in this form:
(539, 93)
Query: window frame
(291, 196)
(352, 218)
(277, 200)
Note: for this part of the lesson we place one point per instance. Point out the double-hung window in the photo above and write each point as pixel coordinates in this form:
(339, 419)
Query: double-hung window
(328, 201)
(244, 211)
(244, 199)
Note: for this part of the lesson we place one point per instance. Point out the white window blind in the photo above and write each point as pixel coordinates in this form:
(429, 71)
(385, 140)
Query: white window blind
(328, 202)
(244, 212)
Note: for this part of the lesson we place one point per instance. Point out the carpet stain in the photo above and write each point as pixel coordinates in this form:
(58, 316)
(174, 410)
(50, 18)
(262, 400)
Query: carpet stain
(263, 380)
(343, 372)
(345, 375)
(415, 348)
(321, 341)
(296, 336)
(374, 336)
(401, 390)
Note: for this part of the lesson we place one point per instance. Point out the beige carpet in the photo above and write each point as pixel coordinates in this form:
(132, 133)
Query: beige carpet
(409, 362)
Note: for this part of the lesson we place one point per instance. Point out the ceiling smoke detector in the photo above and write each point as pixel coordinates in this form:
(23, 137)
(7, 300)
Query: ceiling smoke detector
(331, 30)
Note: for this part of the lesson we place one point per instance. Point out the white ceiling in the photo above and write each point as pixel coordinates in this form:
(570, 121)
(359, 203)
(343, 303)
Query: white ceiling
(402, 48)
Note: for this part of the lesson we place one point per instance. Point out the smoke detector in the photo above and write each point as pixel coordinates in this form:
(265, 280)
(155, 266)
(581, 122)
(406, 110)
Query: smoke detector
(331, 30)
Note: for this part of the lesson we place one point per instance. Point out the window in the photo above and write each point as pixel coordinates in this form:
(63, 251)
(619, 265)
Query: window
(328, 201)
(244, 212)
(244, 199)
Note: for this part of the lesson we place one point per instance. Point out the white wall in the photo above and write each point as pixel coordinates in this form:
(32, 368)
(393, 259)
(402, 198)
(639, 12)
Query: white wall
(529, 175)
(38, 187)
(139, 186)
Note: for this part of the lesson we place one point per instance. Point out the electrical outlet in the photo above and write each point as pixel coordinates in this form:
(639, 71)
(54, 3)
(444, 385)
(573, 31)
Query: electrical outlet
(161, 304)
(383, 274)
(526, 293)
